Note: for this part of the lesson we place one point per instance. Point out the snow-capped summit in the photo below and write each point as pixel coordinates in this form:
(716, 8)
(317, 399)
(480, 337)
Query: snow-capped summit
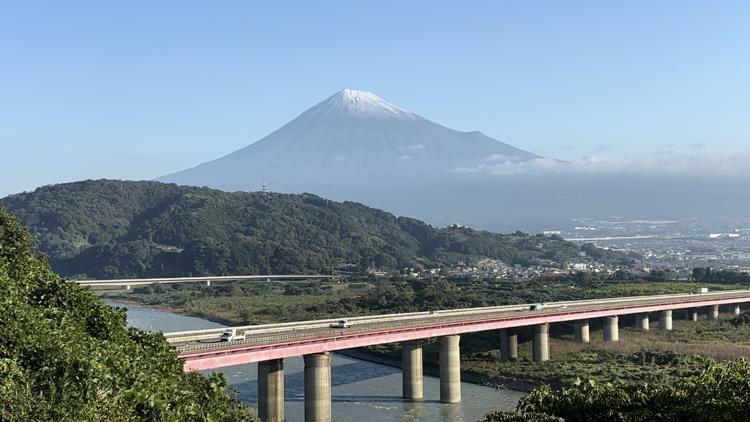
(360, 104)
(356, 138)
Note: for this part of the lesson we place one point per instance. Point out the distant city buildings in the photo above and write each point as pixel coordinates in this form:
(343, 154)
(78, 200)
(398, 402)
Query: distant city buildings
(723, 235)
(579, 266)
(677, 246)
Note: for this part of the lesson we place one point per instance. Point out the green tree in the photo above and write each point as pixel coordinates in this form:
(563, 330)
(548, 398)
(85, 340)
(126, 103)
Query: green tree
(65, 355)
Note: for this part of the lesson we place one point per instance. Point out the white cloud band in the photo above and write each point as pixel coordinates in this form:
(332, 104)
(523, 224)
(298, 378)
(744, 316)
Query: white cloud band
(677, 164)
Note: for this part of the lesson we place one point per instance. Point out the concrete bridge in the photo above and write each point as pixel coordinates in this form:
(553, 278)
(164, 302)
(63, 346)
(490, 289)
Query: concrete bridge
(269, 344)
(128, 282)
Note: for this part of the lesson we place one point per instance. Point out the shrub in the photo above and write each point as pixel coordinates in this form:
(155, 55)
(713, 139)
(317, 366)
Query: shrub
(720, 392)
(65, 355)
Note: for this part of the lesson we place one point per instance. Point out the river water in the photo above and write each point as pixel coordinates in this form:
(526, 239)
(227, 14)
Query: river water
(362, 391)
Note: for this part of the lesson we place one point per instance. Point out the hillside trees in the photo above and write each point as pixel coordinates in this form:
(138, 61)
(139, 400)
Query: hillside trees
(65, 355)
(113, 229)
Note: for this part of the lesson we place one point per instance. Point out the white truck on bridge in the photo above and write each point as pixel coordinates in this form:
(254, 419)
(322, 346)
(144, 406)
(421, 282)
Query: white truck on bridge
(232, 335)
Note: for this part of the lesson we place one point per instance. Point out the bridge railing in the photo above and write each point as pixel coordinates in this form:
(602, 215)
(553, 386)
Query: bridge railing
(325, 323)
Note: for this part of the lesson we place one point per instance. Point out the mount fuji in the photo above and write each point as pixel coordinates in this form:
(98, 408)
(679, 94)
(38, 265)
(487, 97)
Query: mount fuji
(352, 140)
(356, 146)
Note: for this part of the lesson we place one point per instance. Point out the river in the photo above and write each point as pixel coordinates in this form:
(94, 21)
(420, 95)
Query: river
(362, 391)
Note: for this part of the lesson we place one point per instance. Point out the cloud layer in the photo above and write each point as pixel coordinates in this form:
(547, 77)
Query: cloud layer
(674, 164)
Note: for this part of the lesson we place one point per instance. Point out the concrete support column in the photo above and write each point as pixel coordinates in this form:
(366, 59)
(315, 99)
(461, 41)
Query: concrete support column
(450, 369)
(611, 329)
(540, 344)
(508, 345)
(693, 314)
(318, 387)
(737, 309)
(713, 312)
(271, 390)
(665, 320)
(642, 322)
(411, 369)
(581, 331)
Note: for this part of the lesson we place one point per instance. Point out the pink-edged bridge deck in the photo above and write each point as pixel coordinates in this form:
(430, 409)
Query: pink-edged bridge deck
(243, 354)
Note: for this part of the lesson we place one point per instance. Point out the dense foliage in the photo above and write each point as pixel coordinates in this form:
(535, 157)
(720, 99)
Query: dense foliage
(708, 275)
(110, 228)
(65, 355)
(720, 392)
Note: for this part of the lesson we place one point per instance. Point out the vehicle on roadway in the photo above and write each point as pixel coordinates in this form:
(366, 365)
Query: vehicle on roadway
(231, 336)
(342, 323)
(536, 307)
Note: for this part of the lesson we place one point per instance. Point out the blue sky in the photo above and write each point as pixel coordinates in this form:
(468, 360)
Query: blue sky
(139, 89)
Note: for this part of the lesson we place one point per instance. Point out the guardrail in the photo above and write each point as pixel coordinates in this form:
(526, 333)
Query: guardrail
(211, 333)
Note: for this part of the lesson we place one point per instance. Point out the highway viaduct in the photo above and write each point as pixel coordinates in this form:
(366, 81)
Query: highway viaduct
(128, 282)
(268, 345)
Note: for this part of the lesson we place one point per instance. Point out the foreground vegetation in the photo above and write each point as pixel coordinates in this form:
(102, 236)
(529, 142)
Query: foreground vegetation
(111, 229)
(720, 392)
(65, 355)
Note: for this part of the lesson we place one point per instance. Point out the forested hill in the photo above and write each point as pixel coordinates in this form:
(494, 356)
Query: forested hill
(108, 228)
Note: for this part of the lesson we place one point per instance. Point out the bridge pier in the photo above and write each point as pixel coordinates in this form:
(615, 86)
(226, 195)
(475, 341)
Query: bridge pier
(450, 369)
(665, 320)
(411, 370)
(736, 310)
(508, 345)
(641, 322)
(581, 329)
(271, 390)
(713, 312)
(540, 343)
(318, 387)
(692, 314)
(611, 329)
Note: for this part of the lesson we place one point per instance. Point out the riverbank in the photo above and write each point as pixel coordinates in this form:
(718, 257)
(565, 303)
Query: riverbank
(121, 300)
